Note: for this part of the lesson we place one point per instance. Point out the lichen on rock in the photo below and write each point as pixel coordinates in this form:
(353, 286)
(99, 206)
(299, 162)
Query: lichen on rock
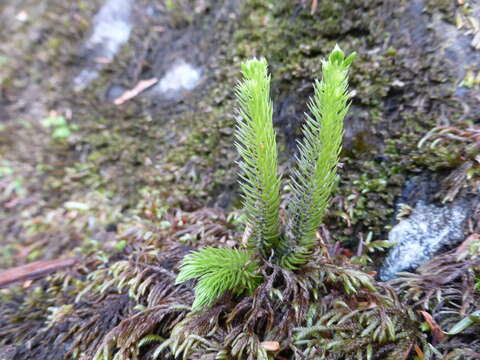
(427, 230)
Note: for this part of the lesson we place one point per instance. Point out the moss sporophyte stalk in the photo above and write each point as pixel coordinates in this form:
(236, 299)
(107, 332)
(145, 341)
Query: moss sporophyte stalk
(288, 245)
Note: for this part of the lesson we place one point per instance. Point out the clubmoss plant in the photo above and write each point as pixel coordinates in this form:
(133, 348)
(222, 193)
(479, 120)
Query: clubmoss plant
(317, 159)
(313, 179)
(255, 141)
(219, 270)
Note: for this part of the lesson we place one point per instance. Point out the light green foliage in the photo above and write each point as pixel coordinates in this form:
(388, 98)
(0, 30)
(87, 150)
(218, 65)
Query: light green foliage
(313, 180)
(5, 169)
(61, 129)
(149, 339)
(473, 318)
(14, 183)
(258, 149)
(218, 270)
(317, 160)
(170, 5)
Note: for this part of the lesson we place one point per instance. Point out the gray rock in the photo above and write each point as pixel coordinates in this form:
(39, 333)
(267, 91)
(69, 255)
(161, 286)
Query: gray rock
(111, 29)
(421, 236)
(457, 44)
(7, 352)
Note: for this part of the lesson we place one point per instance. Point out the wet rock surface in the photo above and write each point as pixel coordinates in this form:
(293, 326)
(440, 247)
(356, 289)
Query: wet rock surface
(192, 50)
(111, 29)
(446, 34)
